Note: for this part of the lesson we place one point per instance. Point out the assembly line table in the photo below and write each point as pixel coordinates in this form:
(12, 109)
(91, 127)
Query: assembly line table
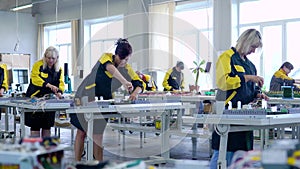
(24, 105)
(98, 111)
(4, 104)
(184, 98)
(281, 101)
(233, 123)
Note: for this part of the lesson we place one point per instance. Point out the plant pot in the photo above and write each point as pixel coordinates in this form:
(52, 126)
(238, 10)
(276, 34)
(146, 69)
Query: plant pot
(194, 88)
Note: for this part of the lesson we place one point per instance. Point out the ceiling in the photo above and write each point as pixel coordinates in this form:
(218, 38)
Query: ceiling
(39, 6)
(6, 5)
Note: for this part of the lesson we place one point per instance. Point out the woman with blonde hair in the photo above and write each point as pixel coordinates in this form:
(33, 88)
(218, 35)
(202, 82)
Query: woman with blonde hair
(237, 80)
(46, 78)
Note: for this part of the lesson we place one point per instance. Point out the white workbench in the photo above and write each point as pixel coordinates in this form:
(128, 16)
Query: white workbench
(227, 123)
(185, 98)
(24, 105)
(281, 101)
(164, 110)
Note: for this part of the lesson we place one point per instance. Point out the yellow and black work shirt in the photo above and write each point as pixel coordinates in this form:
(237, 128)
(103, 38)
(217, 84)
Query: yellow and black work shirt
(230, 71)
(280, 78)
(3, 77)
(150, 84)
(40, 77)
(100, 82)
(173, 80)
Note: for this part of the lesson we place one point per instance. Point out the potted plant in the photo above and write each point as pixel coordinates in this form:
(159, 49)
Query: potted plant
(197, 70)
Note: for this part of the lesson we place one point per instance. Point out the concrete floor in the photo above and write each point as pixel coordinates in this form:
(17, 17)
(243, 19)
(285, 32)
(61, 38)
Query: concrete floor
(181, 147)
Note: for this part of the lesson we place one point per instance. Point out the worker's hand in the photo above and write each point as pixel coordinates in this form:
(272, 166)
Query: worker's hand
(128, 86)
(1, 92)
(262, 96)
(52, 87)
(133, 96)
(256, 79)
(58, 95)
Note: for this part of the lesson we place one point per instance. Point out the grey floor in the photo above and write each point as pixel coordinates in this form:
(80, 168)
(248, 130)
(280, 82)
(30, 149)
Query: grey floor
(181, 147)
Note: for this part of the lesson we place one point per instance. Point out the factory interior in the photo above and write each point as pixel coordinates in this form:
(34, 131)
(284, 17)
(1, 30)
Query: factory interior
(149, 84)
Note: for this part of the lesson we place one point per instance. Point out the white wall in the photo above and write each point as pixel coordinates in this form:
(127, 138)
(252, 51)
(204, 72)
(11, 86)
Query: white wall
(27, 33)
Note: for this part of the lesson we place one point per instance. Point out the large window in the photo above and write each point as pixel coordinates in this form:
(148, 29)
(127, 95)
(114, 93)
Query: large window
(101, 35)
(193, 34)
(292, 45)
(59, 36)
(279, 27)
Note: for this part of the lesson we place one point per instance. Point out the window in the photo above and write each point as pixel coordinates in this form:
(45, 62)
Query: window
(59, 36)
(20, 76)
(101, 35)
(253, 11)
(279, 27)
(193, 34)
(293, 36)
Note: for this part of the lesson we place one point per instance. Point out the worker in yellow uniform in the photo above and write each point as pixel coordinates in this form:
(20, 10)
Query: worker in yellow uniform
(281, 78)
(46, 78)
(109, 73)
(3, 77)
(150, 83)
(174, 79)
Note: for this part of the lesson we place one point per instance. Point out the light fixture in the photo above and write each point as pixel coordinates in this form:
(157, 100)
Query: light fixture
(21, 7)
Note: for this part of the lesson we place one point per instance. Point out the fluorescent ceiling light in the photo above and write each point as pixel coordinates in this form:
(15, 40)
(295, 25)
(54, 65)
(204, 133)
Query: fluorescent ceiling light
(21, 7)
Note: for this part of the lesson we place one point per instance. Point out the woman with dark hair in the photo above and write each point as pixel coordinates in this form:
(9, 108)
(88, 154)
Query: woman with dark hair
(46, 78)
(281, 78)
(110, 72)
(174, 78)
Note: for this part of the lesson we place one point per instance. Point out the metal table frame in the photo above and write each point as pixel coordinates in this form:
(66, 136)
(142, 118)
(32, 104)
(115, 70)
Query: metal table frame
(132, 110)
(227, 123)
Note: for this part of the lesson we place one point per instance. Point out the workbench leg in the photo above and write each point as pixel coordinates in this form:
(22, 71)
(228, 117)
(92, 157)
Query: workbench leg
(119, 132)
(262, 138)
(222, 163)
(90, 137)
(15, 123)
(123, 136)
(6, 128)
(194, 142)
(141, 139)
(141, 134)
(165, 123)
(22, 124)
(266, 144)
(298, 132)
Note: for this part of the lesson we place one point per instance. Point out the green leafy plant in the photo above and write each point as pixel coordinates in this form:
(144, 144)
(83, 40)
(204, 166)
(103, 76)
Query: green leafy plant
(197, 70)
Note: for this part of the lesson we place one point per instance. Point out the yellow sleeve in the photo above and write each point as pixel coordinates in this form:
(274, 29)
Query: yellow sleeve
(282, 75)
(5, 78)
(106, 57)
(61, 81)
(223, 69)
(166, 78)
(35, 72)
